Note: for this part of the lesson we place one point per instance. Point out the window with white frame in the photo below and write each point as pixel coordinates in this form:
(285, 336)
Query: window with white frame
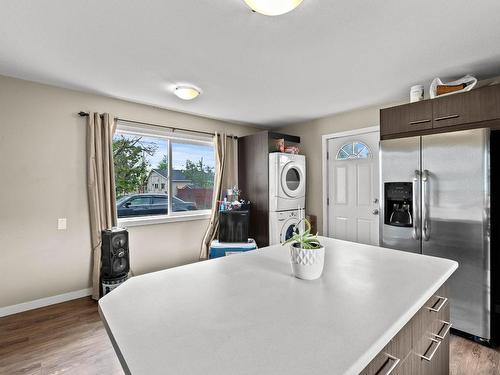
(149, 164)
(353, 150)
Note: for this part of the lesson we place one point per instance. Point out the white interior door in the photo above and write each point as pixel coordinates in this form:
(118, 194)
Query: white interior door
(353, 188)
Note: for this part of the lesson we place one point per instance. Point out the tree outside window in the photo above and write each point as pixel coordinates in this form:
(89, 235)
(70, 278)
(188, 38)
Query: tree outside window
(142, 170)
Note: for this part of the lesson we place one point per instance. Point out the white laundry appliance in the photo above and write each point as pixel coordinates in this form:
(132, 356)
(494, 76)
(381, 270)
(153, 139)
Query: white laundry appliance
(287, 194)
(283, 225)
(287, 181)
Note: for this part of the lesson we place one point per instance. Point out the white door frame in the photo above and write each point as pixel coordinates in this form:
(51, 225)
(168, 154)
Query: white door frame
(324, 164)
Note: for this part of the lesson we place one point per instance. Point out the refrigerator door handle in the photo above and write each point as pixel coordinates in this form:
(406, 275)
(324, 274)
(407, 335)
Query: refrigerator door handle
(426, 230)
(416, 206)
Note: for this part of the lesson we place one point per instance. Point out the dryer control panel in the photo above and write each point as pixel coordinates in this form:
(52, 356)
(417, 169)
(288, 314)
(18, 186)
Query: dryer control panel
(283, 216)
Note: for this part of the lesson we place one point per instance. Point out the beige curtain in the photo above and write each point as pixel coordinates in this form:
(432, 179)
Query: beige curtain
(226, 176)
(100, 186)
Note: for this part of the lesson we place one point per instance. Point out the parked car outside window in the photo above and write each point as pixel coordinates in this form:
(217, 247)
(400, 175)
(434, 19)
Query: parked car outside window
(147, 204)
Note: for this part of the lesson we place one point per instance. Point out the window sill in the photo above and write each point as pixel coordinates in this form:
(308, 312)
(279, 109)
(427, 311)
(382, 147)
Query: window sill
(162, 219)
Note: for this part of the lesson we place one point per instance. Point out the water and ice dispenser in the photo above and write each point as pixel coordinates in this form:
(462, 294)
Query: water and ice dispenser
(398, 204)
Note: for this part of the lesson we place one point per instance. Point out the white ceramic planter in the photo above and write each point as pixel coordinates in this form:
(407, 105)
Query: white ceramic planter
(307, 264)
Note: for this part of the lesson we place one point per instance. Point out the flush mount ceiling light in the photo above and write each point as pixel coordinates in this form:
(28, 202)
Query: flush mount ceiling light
(273, 7)
(186, 92)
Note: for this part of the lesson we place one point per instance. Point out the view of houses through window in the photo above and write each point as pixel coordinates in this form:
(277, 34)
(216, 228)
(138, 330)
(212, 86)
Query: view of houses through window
(142, 173)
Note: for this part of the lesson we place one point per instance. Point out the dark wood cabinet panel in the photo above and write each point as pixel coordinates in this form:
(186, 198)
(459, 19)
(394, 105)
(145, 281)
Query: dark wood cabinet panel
(419, 116)
(382, 361)
(406, 118)
(424, 335)
(406, 366)
(476, 108)
(489, 104)
(440, 363)
(253, 177)
(453, 110)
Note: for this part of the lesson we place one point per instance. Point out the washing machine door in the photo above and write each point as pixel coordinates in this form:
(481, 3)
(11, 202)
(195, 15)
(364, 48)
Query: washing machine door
(289, 229)
(293, 181)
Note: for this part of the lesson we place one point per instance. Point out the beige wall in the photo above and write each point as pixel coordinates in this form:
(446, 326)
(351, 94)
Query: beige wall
(311, 145)
(42, 175)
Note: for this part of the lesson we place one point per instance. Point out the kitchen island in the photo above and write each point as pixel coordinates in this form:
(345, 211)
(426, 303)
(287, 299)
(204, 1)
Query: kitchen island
(374, 310)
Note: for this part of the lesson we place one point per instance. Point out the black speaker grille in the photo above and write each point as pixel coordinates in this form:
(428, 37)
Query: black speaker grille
(115, 259)
(119, 240)
(119, 265)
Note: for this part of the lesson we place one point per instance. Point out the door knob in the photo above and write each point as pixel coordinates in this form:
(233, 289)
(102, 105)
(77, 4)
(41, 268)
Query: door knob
(375, 211)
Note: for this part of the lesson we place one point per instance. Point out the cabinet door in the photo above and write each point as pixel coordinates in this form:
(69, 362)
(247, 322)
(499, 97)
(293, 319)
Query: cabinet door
(383, 363)
(406, 118)
(437, 362)
(406, 366)
(477, 105)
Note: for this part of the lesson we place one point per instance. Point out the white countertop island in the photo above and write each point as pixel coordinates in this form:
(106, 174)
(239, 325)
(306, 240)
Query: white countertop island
(247, 314)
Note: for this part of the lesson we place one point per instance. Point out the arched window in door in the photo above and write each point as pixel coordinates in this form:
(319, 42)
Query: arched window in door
(353, 150)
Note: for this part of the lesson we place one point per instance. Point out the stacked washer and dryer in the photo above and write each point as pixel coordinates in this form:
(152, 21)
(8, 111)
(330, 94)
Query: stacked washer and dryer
(287, 194)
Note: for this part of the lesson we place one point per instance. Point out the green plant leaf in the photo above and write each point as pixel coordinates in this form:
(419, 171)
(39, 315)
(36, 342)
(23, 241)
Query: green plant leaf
(306, 239)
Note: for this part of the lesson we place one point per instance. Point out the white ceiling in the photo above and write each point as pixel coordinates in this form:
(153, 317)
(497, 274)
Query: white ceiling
(325, 57)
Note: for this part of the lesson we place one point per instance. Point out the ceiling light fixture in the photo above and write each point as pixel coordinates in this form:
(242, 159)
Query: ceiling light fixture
(273, 7)
(186, 92)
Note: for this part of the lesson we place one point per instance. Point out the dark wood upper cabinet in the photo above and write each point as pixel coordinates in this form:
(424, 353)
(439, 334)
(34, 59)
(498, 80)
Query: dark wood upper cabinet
(472, 107)
(406, 118)
(453, 110)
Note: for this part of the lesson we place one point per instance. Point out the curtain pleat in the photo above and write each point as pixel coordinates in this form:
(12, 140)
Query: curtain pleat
(226, 177)
(100, 186)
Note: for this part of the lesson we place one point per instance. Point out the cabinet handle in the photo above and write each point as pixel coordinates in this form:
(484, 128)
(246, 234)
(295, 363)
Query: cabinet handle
(395, 362)
(446, 117)
(426, 230)
(440, 306)
(429, 358)
(416, 207)
(446, 330)
(418, 122)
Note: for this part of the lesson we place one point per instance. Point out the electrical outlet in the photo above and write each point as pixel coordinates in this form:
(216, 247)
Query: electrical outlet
(61, 224)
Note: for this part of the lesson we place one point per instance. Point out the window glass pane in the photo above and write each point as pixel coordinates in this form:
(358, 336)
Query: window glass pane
(353, 150)
(140, 174)
(160, 200)
(342, 155)
(139, 201)
(193, 166)
(160, 204)
(348, 148)
(358, 147)
(292, 179)
(363, 152)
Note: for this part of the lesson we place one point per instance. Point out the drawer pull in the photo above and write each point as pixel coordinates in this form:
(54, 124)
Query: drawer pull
(440, 306)
(436, 347)
(446, 330)
(419, 122)
(446, 117)
(395, 362)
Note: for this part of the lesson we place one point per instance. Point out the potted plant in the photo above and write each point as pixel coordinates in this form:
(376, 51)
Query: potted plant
(307, 255)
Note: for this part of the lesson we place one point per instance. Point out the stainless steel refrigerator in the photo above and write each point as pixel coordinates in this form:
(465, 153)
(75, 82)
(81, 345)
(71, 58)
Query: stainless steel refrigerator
(436, 201)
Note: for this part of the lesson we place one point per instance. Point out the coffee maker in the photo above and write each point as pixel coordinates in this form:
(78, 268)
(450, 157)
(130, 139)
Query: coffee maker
(398, 204)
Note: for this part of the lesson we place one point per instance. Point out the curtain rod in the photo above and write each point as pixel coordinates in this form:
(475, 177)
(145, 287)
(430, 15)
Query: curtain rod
(85, 114)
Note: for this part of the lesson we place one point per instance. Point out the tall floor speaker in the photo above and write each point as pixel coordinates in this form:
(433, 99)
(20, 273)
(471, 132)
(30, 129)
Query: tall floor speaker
(115, 258)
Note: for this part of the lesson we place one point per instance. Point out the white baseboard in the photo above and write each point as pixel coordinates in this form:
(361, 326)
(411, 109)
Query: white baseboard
(42, 302)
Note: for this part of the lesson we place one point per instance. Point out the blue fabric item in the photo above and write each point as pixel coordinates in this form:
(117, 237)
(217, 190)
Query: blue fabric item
(218, 249)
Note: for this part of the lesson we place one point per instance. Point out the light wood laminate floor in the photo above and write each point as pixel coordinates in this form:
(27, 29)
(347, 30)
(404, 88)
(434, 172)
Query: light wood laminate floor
(69, 338)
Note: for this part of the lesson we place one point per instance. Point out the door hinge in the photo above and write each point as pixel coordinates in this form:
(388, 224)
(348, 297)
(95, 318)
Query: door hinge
(327, 155)
(327, 201)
